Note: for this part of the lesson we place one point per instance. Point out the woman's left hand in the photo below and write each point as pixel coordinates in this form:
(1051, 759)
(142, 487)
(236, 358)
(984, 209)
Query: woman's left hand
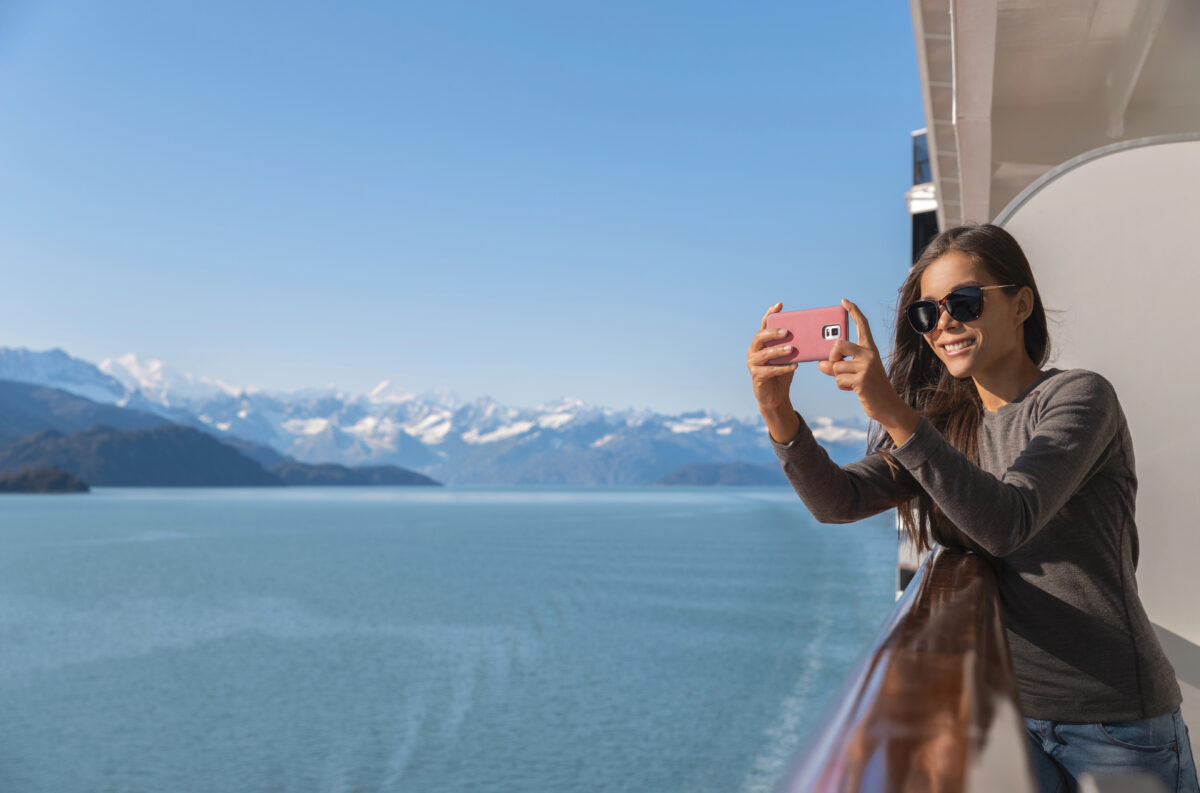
(859, 368)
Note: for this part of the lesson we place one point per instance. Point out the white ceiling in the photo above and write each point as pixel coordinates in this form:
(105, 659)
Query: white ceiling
(1013, 88)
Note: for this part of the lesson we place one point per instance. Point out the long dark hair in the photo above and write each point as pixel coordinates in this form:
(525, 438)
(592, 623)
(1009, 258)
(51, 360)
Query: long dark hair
(922, 380)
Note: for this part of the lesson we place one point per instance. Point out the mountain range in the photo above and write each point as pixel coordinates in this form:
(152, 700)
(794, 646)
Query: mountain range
(562, 442)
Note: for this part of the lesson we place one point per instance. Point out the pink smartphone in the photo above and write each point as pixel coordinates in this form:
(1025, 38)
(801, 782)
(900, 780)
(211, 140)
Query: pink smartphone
(813, 332)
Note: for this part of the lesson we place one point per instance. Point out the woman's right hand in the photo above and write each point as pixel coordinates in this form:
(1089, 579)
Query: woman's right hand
(771, 382)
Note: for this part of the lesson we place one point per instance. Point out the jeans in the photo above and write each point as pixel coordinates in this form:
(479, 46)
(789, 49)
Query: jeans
(1063, 750)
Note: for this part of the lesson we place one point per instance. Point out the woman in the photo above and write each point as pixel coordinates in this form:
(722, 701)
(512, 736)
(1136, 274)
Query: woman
(981, 448)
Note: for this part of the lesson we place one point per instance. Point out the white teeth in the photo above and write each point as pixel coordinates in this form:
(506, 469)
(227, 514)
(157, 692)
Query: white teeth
(958, 345)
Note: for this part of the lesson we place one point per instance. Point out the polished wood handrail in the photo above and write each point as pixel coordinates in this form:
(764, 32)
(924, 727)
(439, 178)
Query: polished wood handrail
(933, 704)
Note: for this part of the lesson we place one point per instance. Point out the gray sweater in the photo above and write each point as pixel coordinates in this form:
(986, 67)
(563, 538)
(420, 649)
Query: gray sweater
(1051, 507)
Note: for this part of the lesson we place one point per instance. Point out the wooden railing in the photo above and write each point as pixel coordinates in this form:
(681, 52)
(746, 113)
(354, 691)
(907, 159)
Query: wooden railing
(933, 704)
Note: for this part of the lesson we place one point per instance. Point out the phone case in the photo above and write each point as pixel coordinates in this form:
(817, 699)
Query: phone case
(812, 332)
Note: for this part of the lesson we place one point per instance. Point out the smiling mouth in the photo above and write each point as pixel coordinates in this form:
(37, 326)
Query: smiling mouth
(958, 346)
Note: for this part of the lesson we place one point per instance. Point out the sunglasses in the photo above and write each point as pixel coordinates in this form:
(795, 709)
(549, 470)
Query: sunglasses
(963, 304)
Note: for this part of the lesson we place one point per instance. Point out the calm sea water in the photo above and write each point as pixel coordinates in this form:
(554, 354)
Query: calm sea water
(410, 639)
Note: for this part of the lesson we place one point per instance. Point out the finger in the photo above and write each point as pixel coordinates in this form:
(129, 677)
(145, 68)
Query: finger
(840, 369)
(861, 326)
(846, 367)
(770, 311)
(767, 353)
(767, 335)
(771, 370)
(843, 348)
(846, 382)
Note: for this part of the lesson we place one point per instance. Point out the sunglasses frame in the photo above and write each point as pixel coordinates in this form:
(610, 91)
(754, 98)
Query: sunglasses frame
(941, 304)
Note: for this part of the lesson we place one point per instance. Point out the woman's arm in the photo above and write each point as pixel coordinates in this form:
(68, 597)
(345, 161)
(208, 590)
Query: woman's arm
(1076, 424)
(833, 493)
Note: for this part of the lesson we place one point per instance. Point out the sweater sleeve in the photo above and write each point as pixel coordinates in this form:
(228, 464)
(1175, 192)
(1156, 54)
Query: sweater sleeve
(833, 493)
(1076, 423)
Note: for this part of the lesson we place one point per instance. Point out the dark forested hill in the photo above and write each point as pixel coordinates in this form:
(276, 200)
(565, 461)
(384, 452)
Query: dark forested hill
(294, 473)
(168, 456)
(725, 474)
(41, 480)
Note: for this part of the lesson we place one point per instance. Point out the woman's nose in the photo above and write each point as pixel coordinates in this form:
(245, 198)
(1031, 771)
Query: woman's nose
(944, 319)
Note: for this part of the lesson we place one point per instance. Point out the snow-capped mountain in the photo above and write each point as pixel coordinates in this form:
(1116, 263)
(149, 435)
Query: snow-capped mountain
(161, 384)
(56, 369)
(564, 441)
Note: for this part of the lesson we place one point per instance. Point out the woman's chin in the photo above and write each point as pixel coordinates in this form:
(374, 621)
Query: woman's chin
(958, 368)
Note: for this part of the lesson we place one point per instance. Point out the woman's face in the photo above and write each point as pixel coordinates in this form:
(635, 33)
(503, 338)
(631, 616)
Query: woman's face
(973, 347)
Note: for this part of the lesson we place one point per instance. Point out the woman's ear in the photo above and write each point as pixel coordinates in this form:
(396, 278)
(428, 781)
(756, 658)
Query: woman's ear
(1024, 303)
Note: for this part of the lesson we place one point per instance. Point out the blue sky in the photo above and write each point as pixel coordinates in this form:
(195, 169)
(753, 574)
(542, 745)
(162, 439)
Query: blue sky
(523, 200)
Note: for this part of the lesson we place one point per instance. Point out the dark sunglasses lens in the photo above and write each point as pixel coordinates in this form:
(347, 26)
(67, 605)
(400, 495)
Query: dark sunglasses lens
(922, 315)
(965, 304)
